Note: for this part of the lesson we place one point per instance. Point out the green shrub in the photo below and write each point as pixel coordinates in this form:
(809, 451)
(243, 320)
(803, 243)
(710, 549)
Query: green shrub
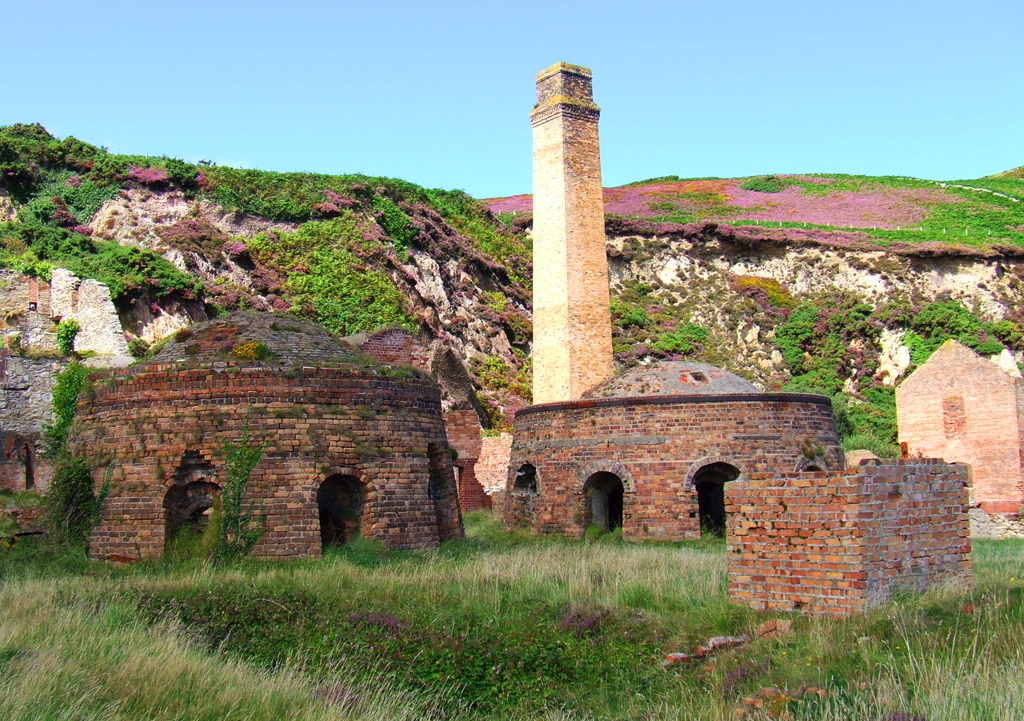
(124, 270)
(869, 442)
(67, 331)
(66, 390)
(394, 222)
(766, 184)
(138, 348)
(793, 335)
(71, 504)
(686, 340)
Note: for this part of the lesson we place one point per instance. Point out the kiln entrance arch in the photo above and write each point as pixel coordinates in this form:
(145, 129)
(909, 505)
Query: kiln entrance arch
(710, 482)
(340, 500)
(604, 495)
(188, 506)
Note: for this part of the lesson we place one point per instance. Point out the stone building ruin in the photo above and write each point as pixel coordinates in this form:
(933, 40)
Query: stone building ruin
(30, 361)
(351, 444)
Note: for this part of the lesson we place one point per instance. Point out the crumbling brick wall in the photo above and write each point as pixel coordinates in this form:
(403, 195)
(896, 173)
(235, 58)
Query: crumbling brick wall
(492, 468)
(963, 408)
(840, 543)
(23, 467)
(464, 435)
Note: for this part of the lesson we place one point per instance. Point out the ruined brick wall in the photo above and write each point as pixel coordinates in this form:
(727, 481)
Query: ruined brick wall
(165, 425)
(656, 446)
(571, 316)
(25, 303)
(492, 468)
(840, 543)
(963, 408)
(464, 435)
(22, 464)
(396, 347)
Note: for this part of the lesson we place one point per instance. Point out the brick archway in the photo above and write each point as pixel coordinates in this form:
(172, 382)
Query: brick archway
(818, 463)
(587, 470)
(700, 463)
(328, 471)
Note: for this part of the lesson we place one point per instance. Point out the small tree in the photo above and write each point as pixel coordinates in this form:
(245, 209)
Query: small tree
(240, 529)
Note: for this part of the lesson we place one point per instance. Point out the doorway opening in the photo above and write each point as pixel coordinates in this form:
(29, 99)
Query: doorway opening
(710, 484)
(605, 496)
(187, 511)
(340, 500)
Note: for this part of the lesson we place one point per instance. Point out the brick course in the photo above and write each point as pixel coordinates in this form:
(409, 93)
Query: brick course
(840, 543)
(656, 445)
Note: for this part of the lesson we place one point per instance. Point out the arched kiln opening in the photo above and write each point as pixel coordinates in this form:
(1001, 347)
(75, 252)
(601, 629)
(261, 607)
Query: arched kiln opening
(526, 479)
(604, 495)
(341, 500)
(187, 507)
(710, 484)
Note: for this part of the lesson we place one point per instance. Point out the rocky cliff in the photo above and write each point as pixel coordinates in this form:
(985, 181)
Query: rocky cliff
(797, 304)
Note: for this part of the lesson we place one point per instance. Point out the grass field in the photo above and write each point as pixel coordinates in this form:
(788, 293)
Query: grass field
(497, 626)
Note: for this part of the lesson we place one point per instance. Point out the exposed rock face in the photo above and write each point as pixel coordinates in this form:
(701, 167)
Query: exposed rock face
(697, 271)
(894, 358)
(153, 323)
(133, 218)
(7, 212)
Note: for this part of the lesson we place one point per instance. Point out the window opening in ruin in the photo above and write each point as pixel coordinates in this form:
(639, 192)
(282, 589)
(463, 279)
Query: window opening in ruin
(30, 470)
(710, 484)
(341, 501)
(187, 509)
(526, 479)
(813, 467)
(604, 496)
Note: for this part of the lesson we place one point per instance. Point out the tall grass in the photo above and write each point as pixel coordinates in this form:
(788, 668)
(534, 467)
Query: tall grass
(67, 654)
(579, 626)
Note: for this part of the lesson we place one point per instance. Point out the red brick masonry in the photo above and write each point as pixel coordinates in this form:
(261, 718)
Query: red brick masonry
(163, 425)
(840, 543)
(656, 446)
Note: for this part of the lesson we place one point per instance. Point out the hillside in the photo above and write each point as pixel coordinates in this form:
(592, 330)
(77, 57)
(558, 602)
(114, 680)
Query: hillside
(177, 243)
(837, 284)
(843, 210)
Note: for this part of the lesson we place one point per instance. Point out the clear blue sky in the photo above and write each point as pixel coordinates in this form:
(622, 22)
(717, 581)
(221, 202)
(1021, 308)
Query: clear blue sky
(439, 94)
